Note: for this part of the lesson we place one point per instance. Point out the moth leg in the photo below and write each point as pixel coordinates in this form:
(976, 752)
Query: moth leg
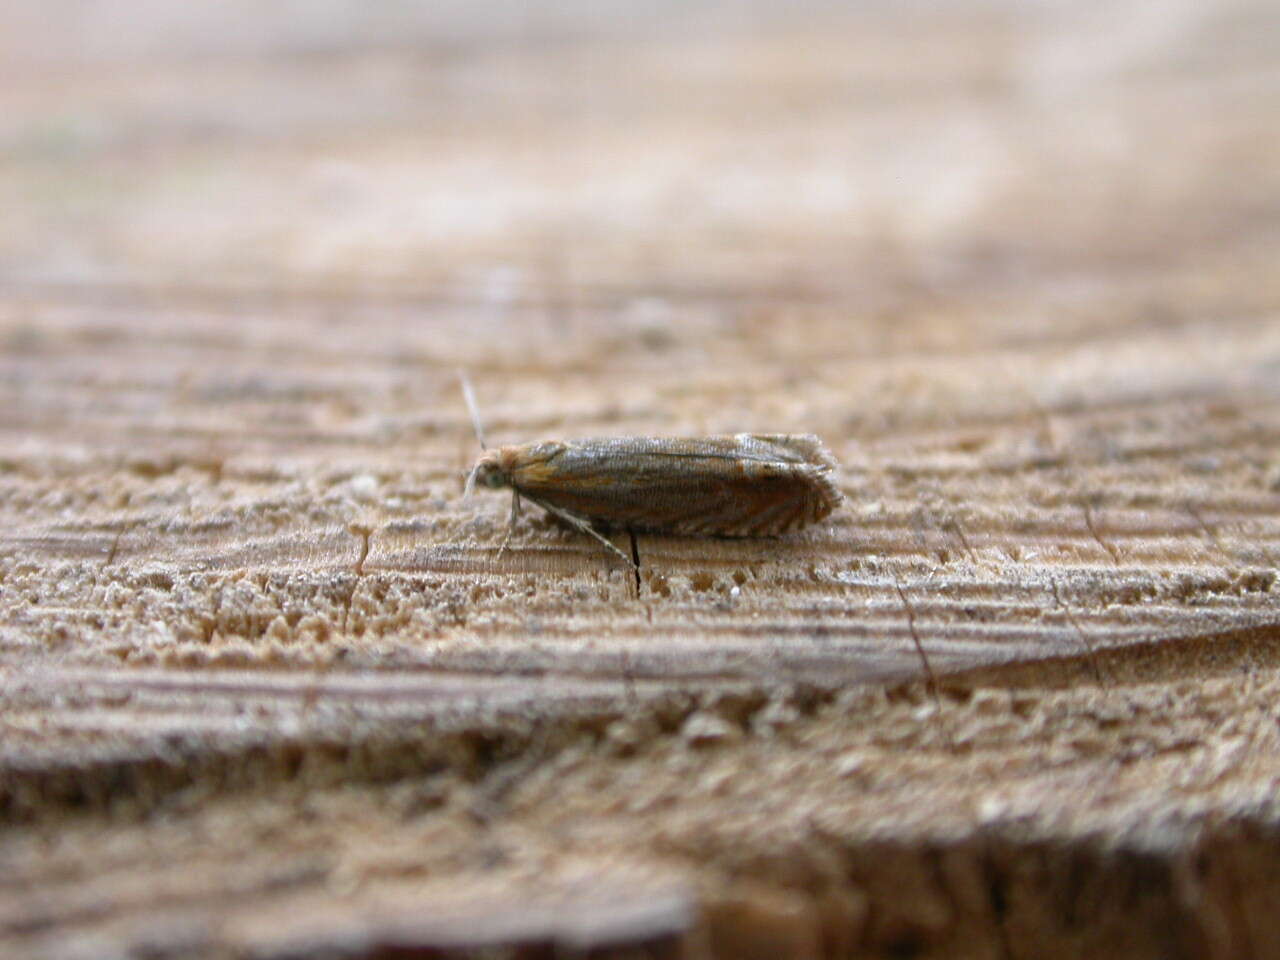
(635, 559)
(511, 523)
(579, 524)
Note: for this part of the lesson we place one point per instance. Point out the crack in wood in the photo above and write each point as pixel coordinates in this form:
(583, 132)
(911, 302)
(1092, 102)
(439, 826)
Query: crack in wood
(1111, 551)
(930, 677)
(1083, 637)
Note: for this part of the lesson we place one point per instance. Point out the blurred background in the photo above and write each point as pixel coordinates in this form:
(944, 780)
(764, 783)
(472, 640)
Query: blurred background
(637, 163)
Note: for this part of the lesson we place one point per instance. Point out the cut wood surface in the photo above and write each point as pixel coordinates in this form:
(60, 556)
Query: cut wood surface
(270, 687)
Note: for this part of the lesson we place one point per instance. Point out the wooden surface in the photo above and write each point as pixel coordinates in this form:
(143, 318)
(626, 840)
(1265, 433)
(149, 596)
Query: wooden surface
(269, 690)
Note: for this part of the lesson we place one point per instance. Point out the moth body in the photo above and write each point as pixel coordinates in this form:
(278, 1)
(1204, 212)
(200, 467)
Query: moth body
(740, 485)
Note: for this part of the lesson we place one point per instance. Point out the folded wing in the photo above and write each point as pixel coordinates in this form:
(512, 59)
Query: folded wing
(739, 486)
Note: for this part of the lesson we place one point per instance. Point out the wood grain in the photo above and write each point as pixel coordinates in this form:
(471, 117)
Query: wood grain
(270, 690)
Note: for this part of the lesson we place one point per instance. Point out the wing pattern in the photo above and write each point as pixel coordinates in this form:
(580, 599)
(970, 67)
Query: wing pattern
(745, 485)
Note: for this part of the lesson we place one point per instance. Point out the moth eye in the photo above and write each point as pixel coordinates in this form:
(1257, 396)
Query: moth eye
(494, 479)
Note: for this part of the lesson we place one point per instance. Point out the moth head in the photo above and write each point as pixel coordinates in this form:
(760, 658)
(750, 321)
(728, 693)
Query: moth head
(488, 472)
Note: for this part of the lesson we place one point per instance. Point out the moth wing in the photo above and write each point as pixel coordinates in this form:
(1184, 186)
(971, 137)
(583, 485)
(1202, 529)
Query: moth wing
(745, 485)
(804, 447)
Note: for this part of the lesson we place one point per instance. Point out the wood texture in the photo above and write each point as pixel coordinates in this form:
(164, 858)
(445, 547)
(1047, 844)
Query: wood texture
(268, 689)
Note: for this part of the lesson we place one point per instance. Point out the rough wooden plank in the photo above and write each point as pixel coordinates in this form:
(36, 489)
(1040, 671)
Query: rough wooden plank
(268, 687)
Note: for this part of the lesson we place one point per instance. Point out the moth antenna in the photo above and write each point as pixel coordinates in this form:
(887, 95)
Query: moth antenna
(469, 396)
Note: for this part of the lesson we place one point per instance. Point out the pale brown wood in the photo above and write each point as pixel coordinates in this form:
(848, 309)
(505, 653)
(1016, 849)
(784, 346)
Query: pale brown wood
(270, 690)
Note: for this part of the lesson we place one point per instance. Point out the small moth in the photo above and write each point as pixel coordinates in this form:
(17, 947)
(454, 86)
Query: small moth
(738, 485)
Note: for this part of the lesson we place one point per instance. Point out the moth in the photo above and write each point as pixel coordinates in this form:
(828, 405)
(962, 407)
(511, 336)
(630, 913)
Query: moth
(738, 485)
